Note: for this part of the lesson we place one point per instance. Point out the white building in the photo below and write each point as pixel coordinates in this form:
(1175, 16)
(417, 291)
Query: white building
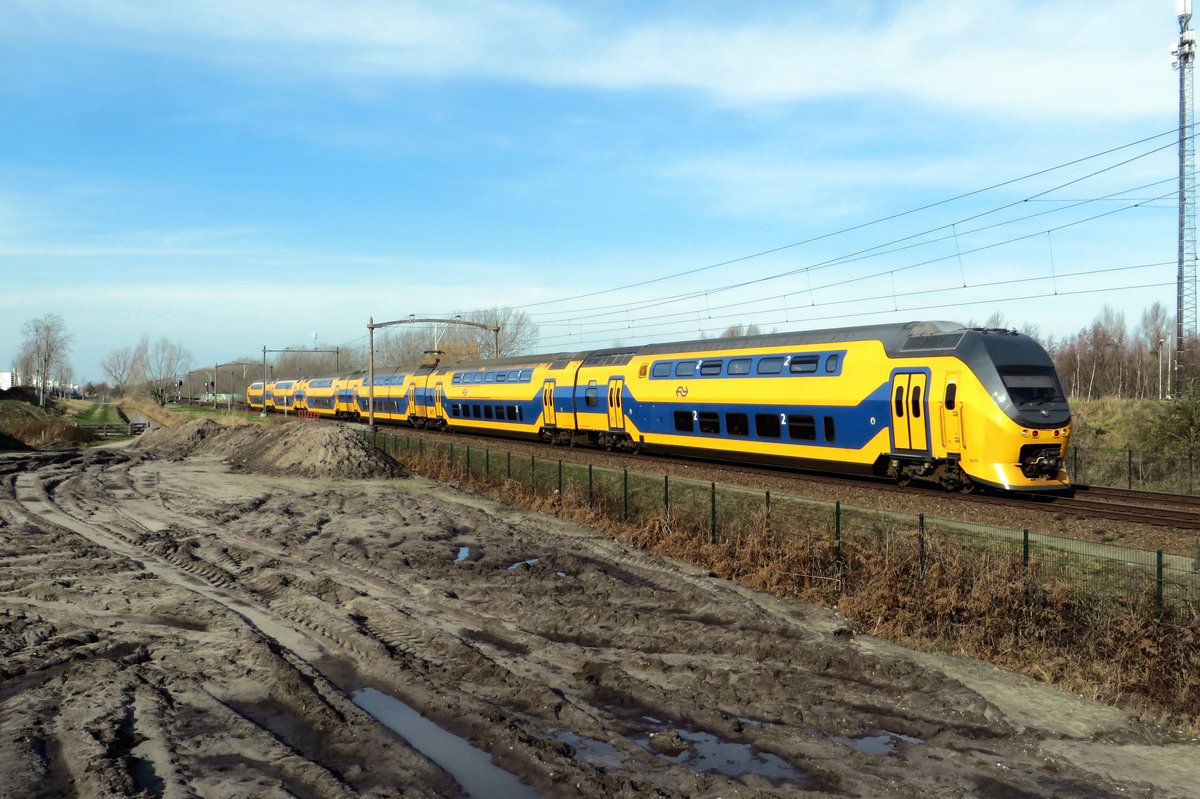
(6, 381)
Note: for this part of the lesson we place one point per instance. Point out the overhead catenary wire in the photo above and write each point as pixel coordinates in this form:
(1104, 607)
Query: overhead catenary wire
(870, 223)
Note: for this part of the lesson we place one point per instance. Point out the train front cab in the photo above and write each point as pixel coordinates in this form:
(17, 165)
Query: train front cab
(975, 408)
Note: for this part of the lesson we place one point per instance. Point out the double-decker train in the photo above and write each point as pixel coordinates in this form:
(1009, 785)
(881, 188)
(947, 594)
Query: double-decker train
(931, 401)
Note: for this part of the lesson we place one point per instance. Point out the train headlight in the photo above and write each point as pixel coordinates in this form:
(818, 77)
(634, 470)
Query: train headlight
(1024, 434)
(1035, 434)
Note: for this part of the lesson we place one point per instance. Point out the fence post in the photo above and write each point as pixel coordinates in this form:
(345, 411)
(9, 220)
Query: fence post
(487, 462)
(712, 494)
(560, 477)
(533, 471)
(420, 446)
(468, 460)
(666, 495)
(1158, 581)
(451, 456)
(768, 504)
(589, 485)
(1129, 470)
(625, 497)
(837, 533)
(921, 544)
(1025, 547)
(510, 465)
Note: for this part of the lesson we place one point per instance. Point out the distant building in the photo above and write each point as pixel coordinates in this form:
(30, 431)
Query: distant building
(6, 381)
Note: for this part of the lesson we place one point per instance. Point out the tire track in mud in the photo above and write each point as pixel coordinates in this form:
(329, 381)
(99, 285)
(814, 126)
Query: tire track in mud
(91, 749)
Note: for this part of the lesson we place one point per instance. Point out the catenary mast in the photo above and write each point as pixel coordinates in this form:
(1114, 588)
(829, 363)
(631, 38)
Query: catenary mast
(1182, 56)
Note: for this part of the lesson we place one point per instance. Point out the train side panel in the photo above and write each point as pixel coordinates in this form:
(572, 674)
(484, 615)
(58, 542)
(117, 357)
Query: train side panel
(818, 405)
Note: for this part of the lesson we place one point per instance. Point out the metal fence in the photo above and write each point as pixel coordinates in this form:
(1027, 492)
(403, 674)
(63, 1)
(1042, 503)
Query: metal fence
(837, 536)
(1130, 468)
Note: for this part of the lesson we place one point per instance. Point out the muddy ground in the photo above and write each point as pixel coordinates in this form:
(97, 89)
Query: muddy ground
(175, 621)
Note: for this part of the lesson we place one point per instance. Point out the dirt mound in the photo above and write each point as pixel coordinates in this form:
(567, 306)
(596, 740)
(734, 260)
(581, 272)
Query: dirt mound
(300, 449)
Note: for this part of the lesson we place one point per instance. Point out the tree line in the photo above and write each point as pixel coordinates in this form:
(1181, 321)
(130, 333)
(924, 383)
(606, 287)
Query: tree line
(162, 369)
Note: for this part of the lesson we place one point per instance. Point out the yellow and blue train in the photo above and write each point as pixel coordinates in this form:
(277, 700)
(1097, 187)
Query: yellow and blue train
(930, 401)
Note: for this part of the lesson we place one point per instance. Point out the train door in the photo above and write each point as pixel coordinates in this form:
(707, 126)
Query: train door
(549, 418)
(616, 413)
(908, 411)
(951, 415)
(439, 404)
(412, 400)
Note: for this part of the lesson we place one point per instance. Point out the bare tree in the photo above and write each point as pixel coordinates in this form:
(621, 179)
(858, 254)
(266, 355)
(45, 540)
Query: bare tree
(733, 331)
(518, 333)
(123, 366)
(46, 345)
(165, 361)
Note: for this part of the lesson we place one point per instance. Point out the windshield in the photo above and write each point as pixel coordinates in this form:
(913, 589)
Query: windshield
(1031, 385)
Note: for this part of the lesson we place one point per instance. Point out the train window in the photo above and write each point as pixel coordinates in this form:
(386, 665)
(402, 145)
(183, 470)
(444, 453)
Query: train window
(454, 409)
(487, 411)
(739, 366)
(738, 424)
(829, 431)
(642, 370)
(804, 364)
(500, 412)
(526, 375)
(899, 402)
(501, 377)
(685, 368)
(512, 413)
(710, 368)
(520, 413)
(476, 411)
(514, 375)
(802, 428)
(491, 377)
(455, 379)
(661, 369)
(683, 422)
(767, 425)
(1031, 385)
(709, 422)
(770, 366)
(591, 397)
(951, 395)
(831, 363)
(916, 402)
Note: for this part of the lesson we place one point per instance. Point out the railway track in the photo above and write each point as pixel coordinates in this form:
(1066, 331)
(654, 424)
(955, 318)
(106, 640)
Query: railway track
(1179, 512)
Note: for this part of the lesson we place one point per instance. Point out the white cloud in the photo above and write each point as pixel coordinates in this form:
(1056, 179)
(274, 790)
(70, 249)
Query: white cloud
(1004, 58)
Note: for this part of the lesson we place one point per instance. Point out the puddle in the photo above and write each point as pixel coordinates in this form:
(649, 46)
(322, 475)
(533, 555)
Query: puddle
(463, 554)
(704, 751)
(880, 742)
(589, 750)
(521, 563)
(472, 768)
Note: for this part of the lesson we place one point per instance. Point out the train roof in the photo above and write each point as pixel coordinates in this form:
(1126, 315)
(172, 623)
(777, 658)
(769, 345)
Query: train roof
(895, 337)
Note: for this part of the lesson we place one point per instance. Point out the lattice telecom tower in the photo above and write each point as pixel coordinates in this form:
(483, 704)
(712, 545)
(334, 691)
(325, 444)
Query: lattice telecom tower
(1183, 55)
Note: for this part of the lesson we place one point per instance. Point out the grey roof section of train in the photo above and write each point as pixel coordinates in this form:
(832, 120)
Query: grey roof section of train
(929, 335)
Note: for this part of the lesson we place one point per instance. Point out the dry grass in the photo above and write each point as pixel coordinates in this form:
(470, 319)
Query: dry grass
(936, 594)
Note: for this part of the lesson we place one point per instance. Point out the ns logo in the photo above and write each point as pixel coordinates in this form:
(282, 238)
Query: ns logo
(681, 391)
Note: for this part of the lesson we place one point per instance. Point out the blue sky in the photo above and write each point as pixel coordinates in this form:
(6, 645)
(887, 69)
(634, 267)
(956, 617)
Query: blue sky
(234, 174)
